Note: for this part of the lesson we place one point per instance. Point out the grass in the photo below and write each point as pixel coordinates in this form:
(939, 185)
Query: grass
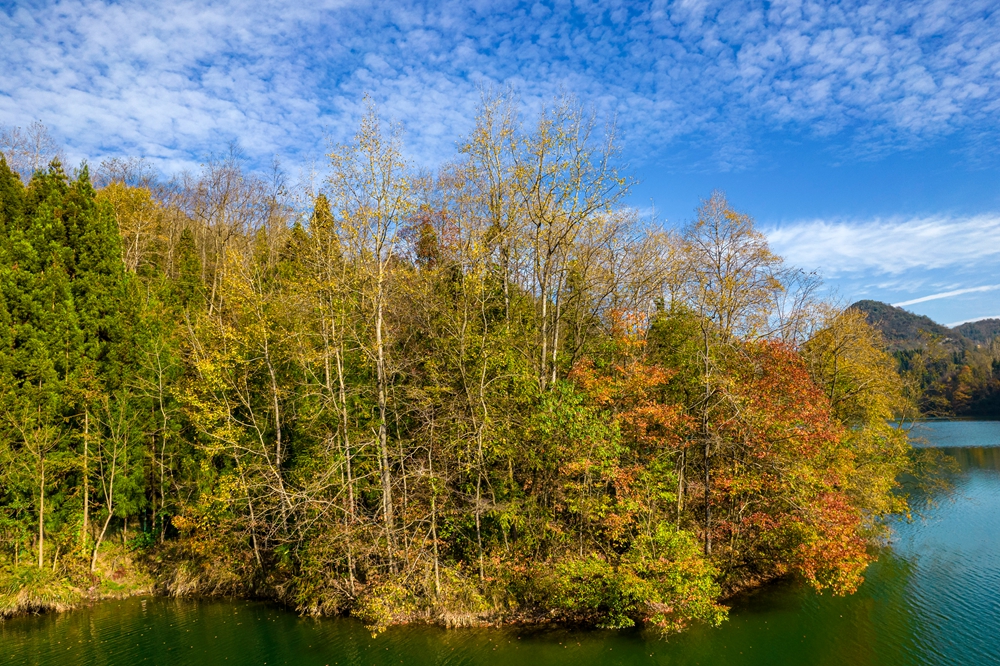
(26, 588)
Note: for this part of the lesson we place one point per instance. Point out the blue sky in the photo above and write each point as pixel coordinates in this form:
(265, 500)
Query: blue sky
(861, 136)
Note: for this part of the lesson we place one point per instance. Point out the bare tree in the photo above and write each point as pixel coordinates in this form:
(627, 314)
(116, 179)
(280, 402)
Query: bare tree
(371, 193)
(29, 150)
(118, 423)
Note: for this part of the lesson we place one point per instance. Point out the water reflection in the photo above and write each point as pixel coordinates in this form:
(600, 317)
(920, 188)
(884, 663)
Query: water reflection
(969, 459)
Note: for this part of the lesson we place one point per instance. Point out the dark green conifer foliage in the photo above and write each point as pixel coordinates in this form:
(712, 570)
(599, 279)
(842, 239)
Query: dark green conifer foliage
(68, 336)
(44, 341)
(294, 250)
(11, 202)
(11, 196)
(674, 342)
(321, 221)
(105, 305)
(187, 288)
(46, 335)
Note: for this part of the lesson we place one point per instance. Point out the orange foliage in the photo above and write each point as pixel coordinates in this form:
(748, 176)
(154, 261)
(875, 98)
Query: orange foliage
(783, 485)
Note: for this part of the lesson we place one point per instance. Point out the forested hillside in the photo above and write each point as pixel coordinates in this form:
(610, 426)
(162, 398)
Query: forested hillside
(903, 330)
(983, 331)
(485, 394)
(948, 371)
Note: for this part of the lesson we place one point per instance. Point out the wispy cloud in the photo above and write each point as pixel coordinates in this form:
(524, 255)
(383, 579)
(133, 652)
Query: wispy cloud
(891, 246)
(969, 321)
(174, 80)
(947, 294)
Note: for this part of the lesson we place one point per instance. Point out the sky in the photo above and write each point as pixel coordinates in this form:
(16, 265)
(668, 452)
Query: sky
(862, 137)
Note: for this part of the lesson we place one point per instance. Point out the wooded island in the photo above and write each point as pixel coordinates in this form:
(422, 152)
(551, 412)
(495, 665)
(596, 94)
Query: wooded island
(492, 393)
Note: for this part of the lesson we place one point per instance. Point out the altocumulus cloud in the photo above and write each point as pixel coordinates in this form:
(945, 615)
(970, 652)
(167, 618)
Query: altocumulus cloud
(175, 80)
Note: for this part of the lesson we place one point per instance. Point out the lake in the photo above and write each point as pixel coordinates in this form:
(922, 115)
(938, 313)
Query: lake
(933, 598)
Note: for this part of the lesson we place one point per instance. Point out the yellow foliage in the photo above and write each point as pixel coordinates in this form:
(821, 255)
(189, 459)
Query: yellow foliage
(847, 359)
(138, 217)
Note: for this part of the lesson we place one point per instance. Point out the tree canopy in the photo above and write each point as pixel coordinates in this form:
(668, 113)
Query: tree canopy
(486, 393)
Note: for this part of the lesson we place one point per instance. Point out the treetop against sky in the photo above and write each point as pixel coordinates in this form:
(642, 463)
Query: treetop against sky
(861, 135)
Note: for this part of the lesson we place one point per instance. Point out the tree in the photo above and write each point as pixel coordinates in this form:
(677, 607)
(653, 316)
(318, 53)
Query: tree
(29, 150)
(846, 357)
(731, 285)
(114, 447)
(32, 464)
(371, 192)
(564, 182)
(785, 481)
(137, 216)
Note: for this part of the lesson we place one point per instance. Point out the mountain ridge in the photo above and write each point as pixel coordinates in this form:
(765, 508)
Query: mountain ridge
(981, 331)
(904, 330)
(951, 371)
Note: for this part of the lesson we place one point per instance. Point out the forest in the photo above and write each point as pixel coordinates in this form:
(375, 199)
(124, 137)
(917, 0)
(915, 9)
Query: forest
(948, 372)
(488, 393)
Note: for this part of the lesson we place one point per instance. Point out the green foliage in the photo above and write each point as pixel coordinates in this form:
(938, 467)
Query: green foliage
(143, 541)
(27, 589)
(947, 372)
(464, 400)
(382, 605)
(662, 580)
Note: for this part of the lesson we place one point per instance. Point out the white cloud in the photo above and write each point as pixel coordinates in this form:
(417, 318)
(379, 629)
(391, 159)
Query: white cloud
(892, 246)
(969, 321)
(947, 294)
(176, 80)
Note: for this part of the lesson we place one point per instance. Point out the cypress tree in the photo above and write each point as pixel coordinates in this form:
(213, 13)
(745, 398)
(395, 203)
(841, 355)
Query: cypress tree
(11, 203)
(187, 287)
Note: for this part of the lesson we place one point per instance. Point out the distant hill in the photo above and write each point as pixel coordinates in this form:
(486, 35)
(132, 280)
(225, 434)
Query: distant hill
(957, 375)
(981, 331)
(904, 330)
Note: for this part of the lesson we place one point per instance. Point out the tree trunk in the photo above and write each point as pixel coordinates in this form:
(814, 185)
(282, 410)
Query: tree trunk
(41, 516)
(708, 500)
(163, 454)
(346, 434)
(555, 328)
(253, 533)
(708, 452)
(100, 538)
(434, 534)
(479, 504)
(545, 335)
(680, 483)
(341, 397)
(383, 438)
(86, 480)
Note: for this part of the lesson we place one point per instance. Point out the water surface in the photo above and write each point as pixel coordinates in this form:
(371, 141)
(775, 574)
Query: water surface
(934, 598)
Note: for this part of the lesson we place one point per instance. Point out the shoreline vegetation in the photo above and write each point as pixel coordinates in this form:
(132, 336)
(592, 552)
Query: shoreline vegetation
(490, 393)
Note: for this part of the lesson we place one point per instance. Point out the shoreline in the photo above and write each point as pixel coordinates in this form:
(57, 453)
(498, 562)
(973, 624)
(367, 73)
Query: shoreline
(137, 583)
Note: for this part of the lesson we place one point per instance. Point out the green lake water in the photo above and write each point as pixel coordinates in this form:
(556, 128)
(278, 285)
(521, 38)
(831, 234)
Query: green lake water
(934, 598)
